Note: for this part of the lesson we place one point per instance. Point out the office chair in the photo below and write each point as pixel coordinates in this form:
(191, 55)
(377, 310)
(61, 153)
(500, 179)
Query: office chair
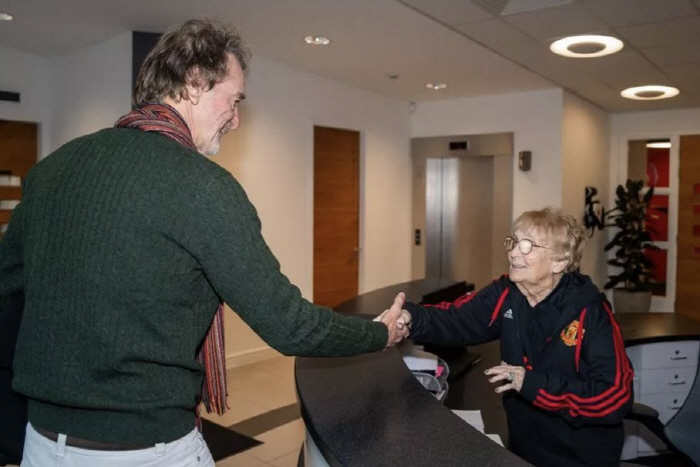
(681, 432)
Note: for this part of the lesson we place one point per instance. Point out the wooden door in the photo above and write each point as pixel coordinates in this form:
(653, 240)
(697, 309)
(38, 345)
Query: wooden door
(336, 215)
(688, 255)
(18, 152)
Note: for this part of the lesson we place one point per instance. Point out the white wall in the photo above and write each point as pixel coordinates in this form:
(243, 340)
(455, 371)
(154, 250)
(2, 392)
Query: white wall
(534, 117)
(271, 154)
(681, 121)
(502, 188)
(645, 125)
(90, 89)
(29, 76)
(585, 162)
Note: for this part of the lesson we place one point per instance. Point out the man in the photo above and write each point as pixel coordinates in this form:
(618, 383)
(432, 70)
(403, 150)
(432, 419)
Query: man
(126, 242)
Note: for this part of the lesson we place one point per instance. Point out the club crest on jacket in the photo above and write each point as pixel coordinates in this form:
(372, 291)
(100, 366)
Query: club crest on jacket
(570, 333)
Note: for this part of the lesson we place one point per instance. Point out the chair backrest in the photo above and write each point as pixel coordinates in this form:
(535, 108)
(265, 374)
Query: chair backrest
(682, 430)
(447, 294)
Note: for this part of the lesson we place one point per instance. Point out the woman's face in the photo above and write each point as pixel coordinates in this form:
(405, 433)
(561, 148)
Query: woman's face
(535, 268)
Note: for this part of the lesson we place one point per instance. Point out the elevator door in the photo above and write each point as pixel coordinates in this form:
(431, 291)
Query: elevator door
(460, 219)
(462, 206)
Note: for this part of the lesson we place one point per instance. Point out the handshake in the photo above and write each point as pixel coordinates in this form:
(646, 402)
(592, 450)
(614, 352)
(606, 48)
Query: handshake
(397, 320)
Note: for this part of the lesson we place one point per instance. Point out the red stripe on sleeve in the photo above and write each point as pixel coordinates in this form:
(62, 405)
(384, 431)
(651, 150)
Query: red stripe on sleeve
(620, 358)
(457, 303)
(575, 409)
(579, 337)
(609, 400)
(499, 304)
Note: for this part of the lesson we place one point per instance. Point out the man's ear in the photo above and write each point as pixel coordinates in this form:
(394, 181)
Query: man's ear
(194, 87)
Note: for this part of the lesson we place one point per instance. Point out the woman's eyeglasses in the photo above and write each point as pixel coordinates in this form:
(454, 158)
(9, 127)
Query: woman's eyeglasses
(525, 245)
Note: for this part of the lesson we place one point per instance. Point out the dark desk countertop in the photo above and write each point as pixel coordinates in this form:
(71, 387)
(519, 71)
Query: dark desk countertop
(646, 328)
(369, 410)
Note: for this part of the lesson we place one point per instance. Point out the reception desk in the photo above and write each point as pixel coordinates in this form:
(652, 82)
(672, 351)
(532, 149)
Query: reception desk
(370, 410)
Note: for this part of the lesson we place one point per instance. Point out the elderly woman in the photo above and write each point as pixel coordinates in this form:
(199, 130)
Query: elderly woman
(566, 379)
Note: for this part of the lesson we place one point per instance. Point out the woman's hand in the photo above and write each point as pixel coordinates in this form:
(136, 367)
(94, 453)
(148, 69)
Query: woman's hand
(512, 375)
(404, 322)
(394, 318)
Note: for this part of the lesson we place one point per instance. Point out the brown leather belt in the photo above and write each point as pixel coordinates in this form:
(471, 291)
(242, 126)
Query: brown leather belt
(81, 443)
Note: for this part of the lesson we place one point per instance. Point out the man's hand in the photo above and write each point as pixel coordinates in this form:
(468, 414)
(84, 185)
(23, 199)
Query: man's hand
(404, 321)
(398, 329)
(512, 375)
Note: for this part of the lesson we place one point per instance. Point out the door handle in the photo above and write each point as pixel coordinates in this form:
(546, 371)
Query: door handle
(677, 383)
(683, 357)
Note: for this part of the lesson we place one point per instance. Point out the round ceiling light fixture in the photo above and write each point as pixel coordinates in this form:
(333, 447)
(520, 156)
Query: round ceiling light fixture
(436, 86)
(4, 16)
(317, 40)
(649, 93)
(586, 46)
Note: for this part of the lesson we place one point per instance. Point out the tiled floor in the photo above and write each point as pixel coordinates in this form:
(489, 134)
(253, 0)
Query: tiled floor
(254, 390)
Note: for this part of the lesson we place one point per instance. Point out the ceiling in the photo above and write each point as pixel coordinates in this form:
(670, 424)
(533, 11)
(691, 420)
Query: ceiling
(476, 47)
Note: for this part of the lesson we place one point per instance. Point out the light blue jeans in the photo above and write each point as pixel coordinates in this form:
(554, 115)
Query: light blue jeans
(188, 451)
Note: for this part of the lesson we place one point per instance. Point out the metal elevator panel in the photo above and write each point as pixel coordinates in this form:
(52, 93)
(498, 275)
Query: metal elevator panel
(441, 194)
(462, 204)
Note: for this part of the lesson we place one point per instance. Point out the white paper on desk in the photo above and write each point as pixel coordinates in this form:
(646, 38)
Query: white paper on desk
(473, 417)
(496, 439)
(417, 359)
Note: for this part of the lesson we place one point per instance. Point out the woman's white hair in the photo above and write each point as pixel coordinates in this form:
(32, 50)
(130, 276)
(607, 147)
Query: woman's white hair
(566, 234)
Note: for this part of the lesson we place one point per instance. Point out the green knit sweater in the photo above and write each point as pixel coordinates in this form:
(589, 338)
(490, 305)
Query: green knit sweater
(124, 244)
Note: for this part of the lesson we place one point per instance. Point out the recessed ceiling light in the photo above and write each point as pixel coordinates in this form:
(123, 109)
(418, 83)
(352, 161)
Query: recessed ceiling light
(5, 16)
(586, 46)
(436, 86)
(649, 93)
(317, 40)
(659, 144)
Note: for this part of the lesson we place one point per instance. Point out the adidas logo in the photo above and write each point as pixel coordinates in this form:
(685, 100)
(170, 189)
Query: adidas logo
(508, 314)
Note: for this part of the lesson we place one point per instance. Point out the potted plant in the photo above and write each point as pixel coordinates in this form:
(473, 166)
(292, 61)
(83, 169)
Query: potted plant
(632, 282)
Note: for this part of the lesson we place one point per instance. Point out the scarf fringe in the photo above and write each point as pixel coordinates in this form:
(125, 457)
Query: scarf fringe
(214, 390)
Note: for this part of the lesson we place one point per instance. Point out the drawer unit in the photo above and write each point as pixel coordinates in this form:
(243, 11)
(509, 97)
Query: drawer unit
(677, 354)
(664, 372)
(666, 404)
(672, 380)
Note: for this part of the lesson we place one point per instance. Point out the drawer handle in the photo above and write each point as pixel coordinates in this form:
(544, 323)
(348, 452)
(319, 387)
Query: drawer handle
(683, 357)
(675, 408)
(677, 383)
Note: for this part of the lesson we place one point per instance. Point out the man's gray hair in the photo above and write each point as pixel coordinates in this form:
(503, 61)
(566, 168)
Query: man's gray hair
(195, 52)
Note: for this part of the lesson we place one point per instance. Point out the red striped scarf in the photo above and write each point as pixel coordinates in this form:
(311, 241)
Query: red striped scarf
(163, 119)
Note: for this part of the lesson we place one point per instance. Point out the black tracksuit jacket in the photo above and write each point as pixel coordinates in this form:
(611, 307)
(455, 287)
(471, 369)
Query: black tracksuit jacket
(578, 383)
